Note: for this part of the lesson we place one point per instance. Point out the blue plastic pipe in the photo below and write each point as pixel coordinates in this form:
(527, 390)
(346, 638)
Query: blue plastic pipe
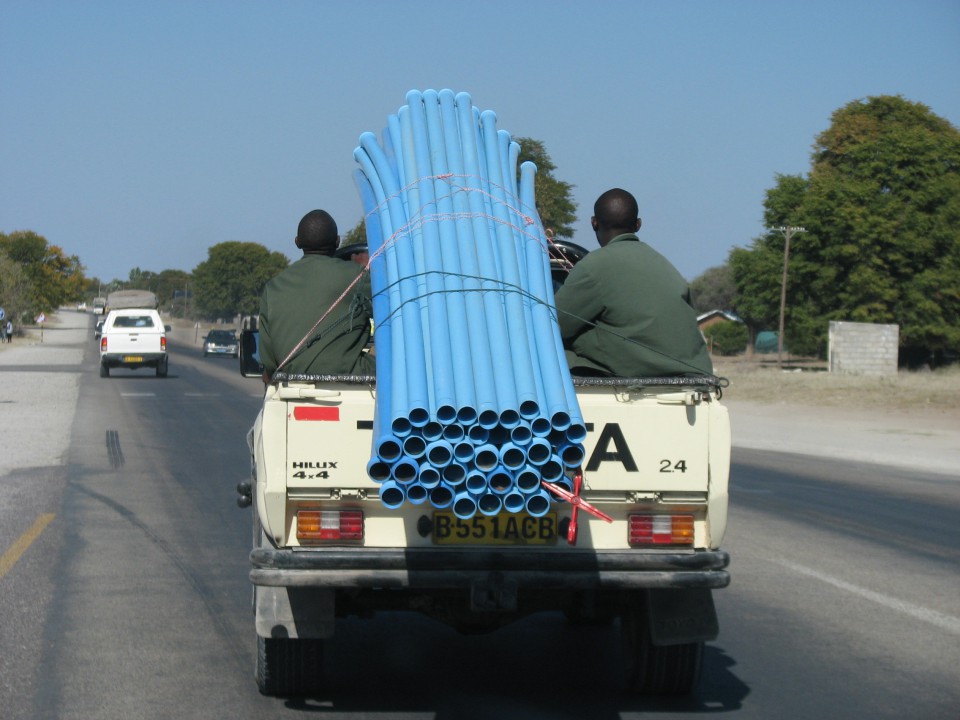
(464, 505)
(518, 333)
(392, 495)
(441, 331)
(464, 261)
(497, 337)
(415, 362)
(390, 362)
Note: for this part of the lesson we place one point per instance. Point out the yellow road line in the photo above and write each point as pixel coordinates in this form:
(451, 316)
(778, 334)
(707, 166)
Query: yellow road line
(10, 557)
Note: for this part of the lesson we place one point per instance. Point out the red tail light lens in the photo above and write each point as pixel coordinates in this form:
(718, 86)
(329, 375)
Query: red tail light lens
(103, 343)
(163, 343)
(315, 526)
(653, 530)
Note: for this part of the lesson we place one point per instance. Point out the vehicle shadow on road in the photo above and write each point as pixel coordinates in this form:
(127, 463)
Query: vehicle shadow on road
(539, 667)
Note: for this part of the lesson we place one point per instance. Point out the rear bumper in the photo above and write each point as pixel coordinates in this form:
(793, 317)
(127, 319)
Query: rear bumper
(432, 569)
(125, 359)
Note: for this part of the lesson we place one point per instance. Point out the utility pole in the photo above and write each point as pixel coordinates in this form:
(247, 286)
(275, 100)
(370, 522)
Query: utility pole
(787, 232)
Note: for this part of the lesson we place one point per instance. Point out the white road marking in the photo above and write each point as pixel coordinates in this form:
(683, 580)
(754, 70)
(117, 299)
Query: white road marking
(945, 622)
(133, 394)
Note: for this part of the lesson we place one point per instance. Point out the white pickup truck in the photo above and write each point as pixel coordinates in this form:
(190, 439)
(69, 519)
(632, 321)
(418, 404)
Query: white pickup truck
(133, 338)
(637, 539)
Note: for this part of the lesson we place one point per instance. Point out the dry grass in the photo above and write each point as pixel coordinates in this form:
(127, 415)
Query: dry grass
(939, 389)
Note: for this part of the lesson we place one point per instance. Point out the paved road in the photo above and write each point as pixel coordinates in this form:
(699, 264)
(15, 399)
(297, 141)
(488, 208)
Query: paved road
(125, 595)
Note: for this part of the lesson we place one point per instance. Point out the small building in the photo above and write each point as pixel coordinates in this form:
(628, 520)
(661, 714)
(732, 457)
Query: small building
(716, 316)
(863, 348)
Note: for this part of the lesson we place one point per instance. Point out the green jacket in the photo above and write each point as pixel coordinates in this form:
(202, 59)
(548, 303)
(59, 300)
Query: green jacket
(293, 301)
(625, 311)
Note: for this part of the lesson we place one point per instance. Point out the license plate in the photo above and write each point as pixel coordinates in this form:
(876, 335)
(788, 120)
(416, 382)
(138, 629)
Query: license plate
(133, 358)
(503, 529)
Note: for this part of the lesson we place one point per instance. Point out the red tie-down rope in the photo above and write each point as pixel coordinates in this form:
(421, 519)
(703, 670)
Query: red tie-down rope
(577, 502)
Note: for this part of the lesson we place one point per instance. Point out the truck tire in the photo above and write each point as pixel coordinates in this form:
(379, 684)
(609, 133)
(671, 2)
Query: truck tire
(288, 667)
(656, 670)
(162, 368)
(104, 370)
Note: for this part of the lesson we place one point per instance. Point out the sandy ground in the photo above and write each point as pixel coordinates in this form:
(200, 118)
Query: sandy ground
(36, 413)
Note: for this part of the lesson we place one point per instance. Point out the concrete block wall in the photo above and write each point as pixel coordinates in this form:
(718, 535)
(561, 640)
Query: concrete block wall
(863, 348)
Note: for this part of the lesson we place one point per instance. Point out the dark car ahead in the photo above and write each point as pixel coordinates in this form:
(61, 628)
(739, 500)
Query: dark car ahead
(221, 342)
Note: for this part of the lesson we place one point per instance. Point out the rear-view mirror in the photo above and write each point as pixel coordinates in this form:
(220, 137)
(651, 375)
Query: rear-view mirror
(250, 365)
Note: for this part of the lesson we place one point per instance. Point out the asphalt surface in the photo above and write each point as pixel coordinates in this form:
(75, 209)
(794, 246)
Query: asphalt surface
(135, 604)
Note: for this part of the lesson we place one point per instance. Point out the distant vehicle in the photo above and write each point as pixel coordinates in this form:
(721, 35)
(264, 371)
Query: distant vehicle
(81, 307)
(122, 299)
(133, 338)
(221, 342)
(98, 305)
(98, 329)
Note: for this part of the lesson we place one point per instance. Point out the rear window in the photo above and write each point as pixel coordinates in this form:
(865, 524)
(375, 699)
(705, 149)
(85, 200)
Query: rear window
(221, 336)
(133, 321)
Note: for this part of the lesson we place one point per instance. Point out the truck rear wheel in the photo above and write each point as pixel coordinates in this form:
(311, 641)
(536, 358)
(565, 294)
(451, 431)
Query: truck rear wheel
(162, 368)
(104, 370)
(657, 670)
(289, 666)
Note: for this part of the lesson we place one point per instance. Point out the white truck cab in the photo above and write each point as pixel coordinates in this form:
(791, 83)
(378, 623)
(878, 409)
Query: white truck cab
(133, 338)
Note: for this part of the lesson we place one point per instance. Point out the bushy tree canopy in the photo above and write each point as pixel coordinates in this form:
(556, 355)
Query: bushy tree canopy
(15, 289)
(555, 203)
(356, 234)
(229, 282)
(714, 289)
(48, 278)
(881, 208)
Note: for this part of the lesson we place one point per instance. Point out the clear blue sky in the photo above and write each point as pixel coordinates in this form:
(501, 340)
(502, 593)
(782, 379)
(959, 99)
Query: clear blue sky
(139, 134)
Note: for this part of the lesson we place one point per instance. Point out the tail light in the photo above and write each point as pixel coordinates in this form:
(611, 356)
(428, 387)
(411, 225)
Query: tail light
(103, 343)
(315, 526)
(647, 530)
(163, 343)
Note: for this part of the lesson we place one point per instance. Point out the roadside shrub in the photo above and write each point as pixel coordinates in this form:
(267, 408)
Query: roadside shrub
(727, 338)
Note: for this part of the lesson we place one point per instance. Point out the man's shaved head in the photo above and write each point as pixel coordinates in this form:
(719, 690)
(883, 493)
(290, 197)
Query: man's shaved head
(317, 233)
(616, 209)
(614, 213)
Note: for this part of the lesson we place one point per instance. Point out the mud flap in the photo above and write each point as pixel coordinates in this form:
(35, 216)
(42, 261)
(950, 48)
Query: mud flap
(683, 616)
(294, 612)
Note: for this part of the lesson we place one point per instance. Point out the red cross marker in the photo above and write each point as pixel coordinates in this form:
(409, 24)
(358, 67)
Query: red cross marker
(578, 502)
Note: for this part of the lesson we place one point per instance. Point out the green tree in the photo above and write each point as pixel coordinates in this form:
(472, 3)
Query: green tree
(356, 234)
(54, 277)
(173, 289)
(714, 289)
(726, 338)
(229, 282)
(881, 208)
(555, 203)
(16, 291)
(143, 280)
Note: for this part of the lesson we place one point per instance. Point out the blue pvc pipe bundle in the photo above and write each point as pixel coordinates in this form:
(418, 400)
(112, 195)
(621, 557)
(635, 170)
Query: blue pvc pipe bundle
(475, 404)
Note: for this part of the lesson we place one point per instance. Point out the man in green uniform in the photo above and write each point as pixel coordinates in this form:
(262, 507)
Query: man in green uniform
(292, 337)
(624, 310)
